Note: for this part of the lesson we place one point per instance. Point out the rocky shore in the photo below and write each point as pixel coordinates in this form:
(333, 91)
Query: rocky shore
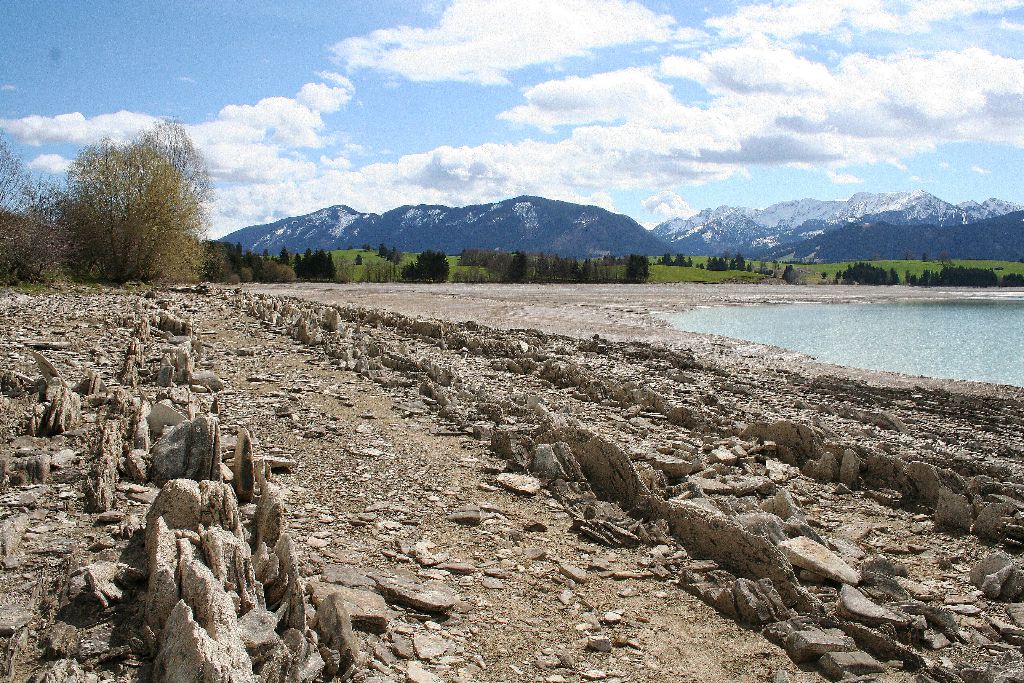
(217, 485)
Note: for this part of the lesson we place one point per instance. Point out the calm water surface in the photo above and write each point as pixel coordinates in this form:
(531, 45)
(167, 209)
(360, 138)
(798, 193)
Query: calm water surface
(961, 339)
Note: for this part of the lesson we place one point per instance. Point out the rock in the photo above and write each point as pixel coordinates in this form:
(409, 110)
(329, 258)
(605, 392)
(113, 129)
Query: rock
(521, 484)
(27, 470)
(162, 415)
(60, 640)
(12, 531)
(427, 596)
(675, 467)
(62, 671)
(849, 468)
(417, 673)
(837, 665)
(758, 603)
(855, 605)
(367, 609)
(60, 414)
(999, 577)
(13, 618)
(46, 368)
(429, 646)
(810, 644)
(796, 443)
(269, 522)
(953, 511)
(91, 384)
(571, 571)
(230, 561)
(99, 486)
(206, 378)
(599, 643)
(335, 628)
(555, 461)
(191, 653)
(807, 554)
(243, 468)
(190, 450)
(258, 630)
(100, 579)
(136, 465)
(470, 515)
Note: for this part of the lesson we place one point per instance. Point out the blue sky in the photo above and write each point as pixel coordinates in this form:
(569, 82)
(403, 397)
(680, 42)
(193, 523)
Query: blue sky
(654, 109)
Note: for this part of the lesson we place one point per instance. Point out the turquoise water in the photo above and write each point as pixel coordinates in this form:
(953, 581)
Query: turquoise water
(960, 339)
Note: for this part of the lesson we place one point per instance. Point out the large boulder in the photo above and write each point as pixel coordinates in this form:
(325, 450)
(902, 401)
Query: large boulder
(191, 450)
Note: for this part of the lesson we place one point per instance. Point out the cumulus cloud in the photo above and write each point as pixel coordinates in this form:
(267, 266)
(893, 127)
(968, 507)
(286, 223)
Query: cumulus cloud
(76, 129)
(50, 163)
(481, 41)
(787, 19)
(8, 87)
(668, 204)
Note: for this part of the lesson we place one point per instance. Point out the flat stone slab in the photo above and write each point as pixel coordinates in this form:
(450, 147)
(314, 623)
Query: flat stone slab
(855, 605)
(810, 555)
(521, 484)
(12, 618)
(806, 646)
(836, 665)
(426, 596)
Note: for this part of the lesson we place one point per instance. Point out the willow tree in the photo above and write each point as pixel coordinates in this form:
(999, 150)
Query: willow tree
(137, 211)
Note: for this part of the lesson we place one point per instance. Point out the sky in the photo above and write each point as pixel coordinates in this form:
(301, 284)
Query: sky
(654, 109)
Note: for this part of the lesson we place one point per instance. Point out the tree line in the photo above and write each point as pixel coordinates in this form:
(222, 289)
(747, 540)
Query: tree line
(519, 266)
(949, 276)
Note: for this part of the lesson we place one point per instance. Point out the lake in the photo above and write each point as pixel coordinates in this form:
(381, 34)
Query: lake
(981, 340)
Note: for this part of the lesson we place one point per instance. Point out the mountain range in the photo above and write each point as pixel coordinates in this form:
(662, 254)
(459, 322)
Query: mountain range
(867, 225)
(730, 229)
(532, 224)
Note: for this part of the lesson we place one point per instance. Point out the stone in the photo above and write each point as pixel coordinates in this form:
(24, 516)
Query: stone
(269, 522)
(367, 609)
(100, 578)
(60, 414)
(208, 379)
(243, 468)
(60, 640)
(46, 368)
(417, 673)
(190, 450)
(599, 643)
(429, 646)
(335, 628)
(555, 461)
(999, 577)
(190, 652)
(849, 468)
(758, 603)
(162, 415)
(258, 630)
(810, 644)
(853, 604)
(12, 531)
(99, 486)
(136, 465)
(13, 618)
(427, 596)
(521, 484)
(837, 665)
(807, 554)
(675, 467)
(469, 515)
(571, 571)
(62, 671)
(953, 511)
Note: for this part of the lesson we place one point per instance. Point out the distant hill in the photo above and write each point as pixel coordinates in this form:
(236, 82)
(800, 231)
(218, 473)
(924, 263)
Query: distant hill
(713, 232)
(1000, 238)
(525, 223)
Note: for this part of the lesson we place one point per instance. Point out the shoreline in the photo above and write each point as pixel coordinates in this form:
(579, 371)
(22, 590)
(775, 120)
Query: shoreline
(633, 313)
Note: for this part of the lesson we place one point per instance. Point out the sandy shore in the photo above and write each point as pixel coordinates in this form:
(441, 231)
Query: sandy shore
(636, 313)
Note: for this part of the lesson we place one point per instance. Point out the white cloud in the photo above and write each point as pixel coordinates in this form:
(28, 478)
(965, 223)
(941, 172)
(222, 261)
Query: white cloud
(76, 129)
(980, 170)
(186, 79)
(839, 178)
(481, 41)
(50, 163)
(668, 204)
(629, 94)
(1008, 25)
(324, 98)
(788, 19)
(8, 87)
